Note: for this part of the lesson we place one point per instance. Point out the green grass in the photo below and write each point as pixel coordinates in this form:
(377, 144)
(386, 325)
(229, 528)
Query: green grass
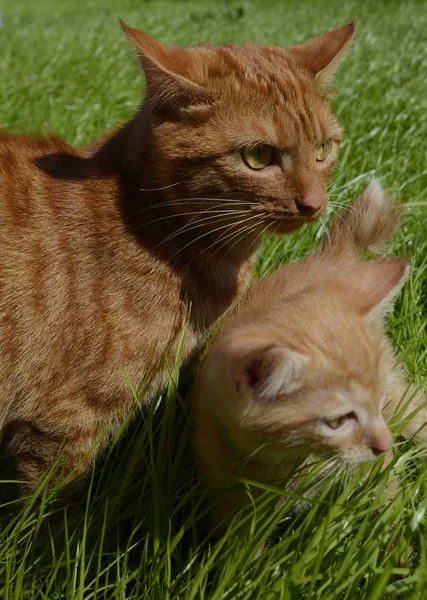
(142, 531)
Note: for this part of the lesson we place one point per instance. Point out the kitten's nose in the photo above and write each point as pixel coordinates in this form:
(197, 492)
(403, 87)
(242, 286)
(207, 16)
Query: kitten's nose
(380, 440)
(312, 205)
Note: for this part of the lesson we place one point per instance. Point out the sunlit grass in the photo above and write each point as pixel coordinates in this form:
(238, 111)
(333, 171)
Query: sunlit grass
(141, 529)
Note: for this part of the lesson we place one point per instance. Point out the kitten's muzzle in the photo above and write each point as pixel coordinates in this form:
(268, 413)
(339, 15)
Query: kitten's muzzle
(379, 438)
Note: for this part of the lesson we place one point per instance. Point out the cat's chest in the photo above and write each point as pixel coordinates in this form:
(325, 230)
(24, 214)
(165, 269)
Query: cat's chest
(215, 293)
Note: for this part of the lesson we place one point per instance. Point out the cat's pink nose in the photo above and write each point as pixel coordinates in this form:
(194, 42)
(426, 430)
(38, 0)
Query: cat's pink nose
(380, 441)
(312, 205)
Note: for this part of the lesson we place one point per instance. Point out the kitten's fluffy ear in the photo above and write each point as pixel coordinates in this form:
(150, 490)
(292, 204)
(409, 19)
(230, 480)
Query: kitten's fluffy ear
(323, 55)
(376, 283)
(166, 70)
(269, 372)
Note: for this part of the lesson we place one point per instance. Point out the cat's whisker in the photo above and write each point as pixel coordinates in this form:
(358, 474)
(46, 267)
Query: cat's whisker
(346, 206)
(196, 224)
(266, 217)
(262, 232)
(158, 189)
(347, 184)
(193, 214)
(272, 267)
(350, 233)
(195, 200)
(252, 455)
(211, 233)
(227, 237)
(323, 227)
(253, 241)
(236, 242)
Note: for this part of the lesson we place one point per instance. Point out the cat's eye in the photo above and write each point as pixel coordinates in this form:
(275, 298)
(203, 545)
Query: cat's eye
(323, 151)
(259, 156)
(341, 420)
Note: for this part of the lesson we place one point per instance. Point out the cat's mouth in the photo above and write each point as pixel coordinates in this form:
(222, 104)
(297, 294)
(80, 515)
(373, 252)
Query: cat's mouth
(285, 222)
(302, 214)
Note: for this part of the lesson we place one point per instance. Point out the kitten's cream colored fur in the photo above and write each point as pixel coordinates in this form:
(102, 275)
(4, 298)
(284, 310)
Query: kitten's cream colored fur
(304, 368)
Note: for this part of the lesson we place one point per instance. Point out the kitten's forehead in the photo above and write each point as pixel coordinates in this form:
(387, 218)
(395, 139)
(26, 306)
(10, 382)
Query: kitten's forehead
(284, 98)
(343, 346)
(352, 360)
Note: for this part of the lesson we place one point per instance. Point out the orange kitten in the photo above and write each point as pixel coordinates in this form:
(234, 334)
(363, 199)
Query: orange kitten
(304, 368)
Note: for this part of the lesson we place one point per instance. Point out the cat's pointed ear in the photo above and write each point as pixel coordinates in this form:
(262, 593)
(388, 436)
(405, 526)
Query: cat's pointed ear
(167, 72)
(375, 284)
(269, 372)
(323, 55)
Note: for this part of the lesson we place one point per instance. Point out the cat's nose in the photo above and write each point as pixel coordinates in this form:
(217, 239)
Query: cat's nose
(380, 441)
(312, 205)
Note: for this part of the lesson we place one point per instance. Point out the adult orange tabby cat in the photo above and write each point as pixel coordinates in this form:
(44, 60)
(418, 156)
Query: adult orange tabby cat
(304, 368)
(103, 249)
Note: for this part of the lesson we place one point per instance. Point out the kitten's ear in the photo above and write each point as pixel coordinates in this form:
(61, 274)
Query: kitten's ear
(167, 72)
(269, 372)
(323, 55)
(375, 284)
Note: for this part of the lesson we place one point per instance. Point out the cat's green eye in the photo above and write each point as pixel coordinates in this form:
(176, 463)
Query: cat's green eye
(259, 156)
(323, 151)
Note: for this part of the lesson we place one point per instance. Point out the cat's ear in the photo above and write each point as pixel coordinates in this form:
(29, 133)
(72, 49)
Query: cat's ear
(375, 284)
(323, 55)
(269, 372)
(167, 71)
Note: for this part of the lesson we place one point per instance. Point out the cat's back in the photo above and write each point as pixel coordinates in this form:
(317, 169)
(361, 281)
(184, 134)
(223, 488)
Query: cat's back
(72, 277)
(30, 184)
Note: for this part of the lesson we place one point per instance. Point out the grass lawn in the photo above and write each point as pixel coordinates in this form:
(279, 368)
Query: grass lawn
(142, 531)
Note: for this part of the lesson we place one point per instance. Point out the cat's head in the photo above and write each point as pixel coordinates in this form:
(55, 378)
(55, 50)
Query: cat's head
(311, 373)
(248, 125)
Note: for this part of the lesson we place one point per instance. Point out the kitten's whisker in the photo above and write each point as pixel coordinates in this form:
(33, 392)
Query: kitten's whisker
(247, 458)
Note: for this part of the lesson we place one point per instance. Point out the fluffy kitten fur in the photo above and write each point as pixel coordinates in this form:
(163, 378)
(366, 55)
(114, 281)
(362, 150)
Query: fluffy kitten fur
(103, 249)
(304, 368)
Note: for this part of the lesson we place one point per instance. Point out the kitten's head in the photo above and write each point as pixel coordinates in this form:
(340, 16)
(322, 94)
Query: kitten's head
(248, 124)
(310, 374)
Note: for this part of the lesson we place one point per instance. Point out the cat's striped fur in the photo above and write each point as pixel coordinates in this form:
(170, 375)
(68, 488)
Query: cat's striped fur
(102, 250)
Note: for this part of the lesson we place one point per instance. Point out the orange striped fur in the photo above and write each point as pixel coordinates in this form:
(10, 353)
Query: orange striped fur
(103, 249)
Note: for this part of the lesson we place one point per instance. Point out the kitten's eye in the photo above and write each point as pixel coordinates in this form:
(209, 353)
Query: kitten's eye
(340, 421)
(259, 156)
(323, 151)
